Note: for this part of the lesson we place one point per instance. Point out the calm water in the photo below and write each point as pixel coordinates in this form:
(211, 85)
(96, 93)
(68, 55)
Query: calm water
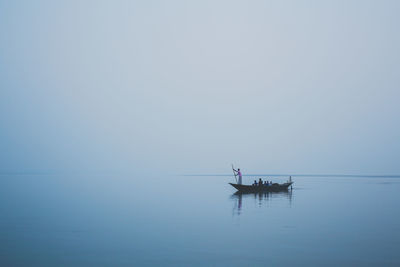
(116, 220)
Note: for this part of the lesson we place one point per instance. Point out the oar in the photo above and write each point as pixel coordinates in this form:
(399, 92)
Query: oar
(234, 173)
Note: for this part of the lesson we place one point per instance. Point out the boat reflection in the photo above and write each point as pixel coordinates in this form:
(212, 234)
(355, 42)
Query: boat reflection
(260, 198)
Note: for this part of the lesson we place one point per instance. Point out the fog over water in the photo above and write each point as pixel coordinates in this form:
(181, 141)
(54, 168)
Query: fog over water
(108, 107)
(178, 87)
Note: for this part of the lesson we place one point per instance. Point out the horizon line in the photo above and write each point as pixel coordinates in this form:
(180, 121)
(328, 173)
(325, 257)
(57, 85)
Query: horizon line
(308, 175)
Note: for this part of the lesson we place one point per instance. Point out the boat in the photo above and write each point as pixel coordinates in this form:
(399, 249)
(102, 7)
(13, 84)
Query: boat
(275, 187)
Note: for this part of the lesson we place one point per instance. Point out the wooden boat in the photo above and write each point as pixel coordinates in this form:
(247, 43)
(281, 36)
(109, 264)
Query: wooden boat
(262, 188)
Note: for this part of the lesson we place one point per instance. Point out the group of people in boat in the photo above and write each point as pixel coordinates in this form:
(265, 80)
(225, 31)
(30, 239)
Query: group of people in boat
(261, 183)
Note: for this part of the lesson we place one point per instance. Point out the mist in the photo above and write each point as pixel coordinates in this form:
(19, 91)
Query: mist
(188, 88)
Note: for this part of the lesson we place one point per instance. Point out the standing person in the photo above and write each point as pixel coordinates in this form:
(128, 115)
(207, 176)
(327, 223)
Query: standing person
(239, 173)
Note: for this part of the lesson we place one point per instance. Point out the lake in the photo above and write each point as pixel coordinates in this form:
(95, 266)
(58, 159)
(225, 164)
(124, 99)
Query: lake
(126, 220)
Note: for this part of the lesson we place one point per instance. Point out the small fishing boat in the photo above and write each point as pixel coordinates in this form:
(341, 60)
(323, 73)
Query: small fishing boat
(256, 188)
(262, 188)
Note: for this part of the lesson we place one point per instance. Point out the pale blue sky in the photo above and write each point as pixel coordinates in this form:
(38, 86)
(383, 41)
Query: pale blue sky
(190, 87)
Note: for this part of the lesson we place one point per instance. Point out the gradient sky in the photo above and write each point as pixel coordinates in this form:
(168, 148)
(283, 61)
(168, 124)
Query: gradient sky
(193, 86)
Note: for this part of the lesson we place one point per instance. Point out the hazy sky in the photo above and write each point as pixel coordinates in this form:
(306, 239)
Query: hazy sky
(193, 86)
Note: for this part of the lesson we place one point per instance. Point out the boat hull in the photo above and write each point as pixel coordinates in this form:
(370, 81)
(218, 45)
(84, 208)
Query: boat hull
(261, 188)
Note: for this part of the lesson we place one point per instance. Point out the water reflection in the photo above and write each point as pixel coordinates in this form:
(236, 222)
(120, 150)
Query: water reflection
(261, 198)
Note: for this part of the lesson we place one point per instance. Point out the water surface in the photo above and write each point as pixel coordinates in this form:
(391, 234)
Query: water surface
(125, 220)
